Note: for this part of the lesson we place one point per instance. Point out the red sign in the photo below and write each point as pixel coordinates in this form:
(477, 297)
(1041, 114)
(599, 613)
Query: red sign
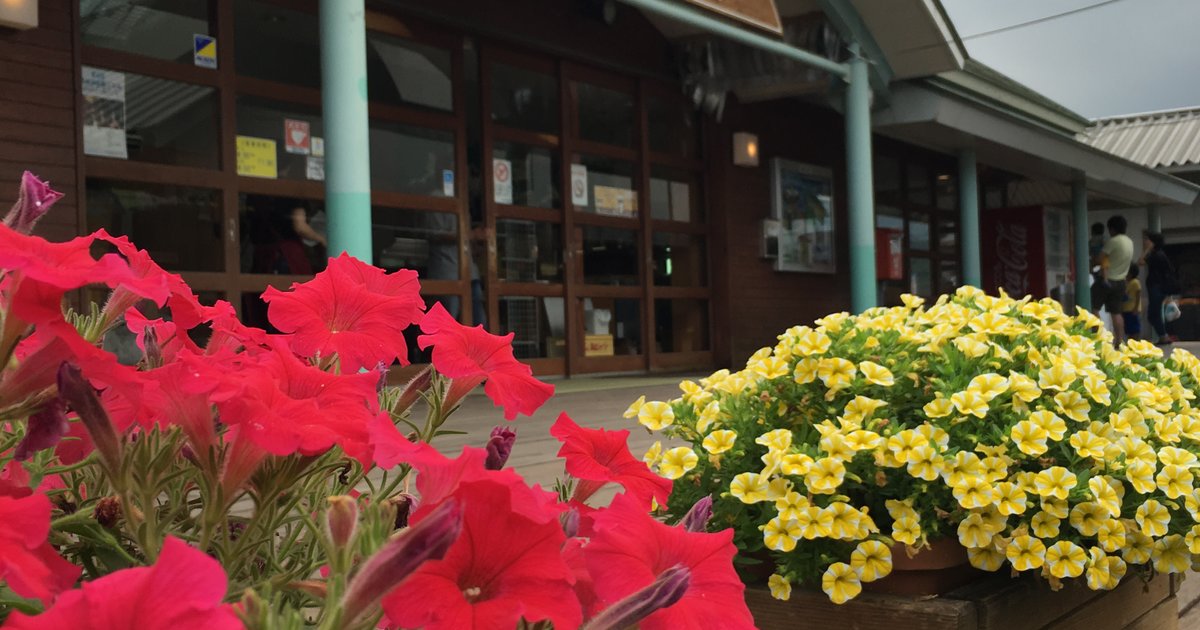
(889, 254)
(296, 136)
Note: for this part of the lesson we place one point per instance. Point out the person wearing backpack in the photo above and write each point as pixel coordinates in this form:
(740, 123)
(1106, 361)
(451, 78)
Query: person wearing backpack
(1161, 282)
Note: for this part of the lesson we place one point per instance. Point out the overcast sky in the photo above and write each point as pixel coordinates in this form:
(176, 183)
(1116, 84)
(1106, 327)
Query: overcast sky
(1121, 57)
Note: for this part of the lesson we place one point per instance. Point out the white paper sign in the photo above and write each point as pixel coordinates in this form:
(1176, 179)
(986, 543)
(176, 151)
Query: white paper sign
(579, 185)
(315, 168)
(104, 113)
(318, 146)
(502, 186)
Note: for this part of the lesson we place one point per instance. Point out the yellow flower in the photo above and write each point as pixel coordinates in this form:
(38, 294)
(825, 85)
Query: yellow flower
(825, 475)
(1010, 499)
(970, 403)
(843, 520)
(973, 493)
(965, 466)
(1023, 387)
(860, 409)
(903, 443)
(1153, 518)
(777, 440)
(796, 464)
(1055, 507)
(1175, 481)
(906, 530)
(810, 342)
(1104, 572)
(1087, 517)
(1174, 456)
(1059, 375)
(938, 408)
(1054, 425)
(710, 415)
(862, 440)
(1029, 437)
(900, 509)
(937, 436)
(1128, 421)
(1141, 476)
(1044, 525)
(653, 454)
(1025, 553)
(790, 505)
(771, 367)
(1096, 389)
(1065, 559)
(1111, 535)
(924, 463)
(780, 534)
(988, 385)
(835, 445)
(1171, 555)
(778, 488)
(1106, 495)
(1088, 444)
(1138, 546)
(985, 558)
(656, 415)
(970, 346)
(806, 371)
(995, 468)
(781, 588)
(719, 441)
(1192, 539)
(1055, 481)
(872, 560)
(749, 488)
(814, 522)
(972, 533)
(836, 373)
(1073, 405)
(876, 374)
(634, 408)
(841, 583)
(677, 461)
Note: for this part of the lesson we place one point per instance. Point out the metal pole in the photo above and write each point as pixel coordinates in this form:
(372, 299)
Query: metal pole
(1083, 263)
(344, 101)
(681, 13)
(1153, 219)
(968, 201)
(861, 195)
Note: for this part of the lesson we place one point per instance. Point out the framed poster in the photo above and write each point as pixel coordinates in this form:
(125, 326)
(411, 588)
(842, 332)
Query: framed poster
(802, 203)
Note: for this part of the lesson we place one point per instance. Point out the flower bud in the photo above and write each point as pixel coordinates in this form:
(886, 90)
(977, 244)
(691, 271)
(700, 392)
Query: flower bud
(458, 389)
(381, 370)
(400, 557)
(108, 511)
(151, 349)
(696, 520)
(44, 430)
(499, 446)
(413, 390)
(661, 593)
(341, 519)
(33, 201)
(80, 396)
(570, 522)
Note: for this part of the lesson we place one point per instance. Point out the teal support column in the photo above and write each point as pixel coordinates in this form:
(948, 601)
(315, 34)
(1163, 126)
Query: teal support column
(1153, 219)
(344, 102)
(860, 189)
(968, 202)
(1079, 227)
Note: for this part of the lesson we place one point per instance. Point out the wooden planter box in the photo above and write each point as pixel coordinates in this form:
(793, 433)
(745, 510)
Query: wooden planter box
(993, 603)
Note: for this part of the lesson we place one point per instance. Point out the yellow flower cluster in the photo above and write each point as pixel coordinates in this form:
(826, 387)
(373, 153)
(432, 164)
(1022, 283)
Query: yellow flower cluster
(1010, 425)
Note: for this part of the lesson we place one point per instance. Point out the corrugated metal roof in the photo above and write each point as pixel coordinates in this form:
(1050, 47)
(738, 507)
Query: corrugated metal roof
(1157, 139)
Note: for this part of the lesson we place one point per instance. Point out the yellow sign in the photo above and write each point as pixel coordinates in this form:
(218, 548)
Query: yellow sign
(620, 202)
(256, 157)
(597, 345)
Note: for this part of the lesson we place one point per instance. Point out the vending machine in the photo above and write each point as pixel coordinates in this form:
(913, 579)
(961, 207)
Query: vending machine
(1027, 251)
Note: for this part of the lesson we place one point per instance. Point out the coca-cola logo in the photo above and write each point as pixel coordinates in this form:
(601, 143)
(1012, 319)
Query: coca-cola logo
(1012, 258)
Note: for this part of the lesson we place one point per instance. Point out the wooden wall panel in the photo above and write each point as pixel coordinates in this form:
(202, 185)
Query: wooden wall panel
(37, 113)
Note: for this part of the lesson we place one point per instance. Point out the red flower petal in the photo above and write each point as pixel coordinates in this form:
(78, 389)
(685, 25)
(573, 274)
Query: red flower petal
(27, 562)
(602, 456)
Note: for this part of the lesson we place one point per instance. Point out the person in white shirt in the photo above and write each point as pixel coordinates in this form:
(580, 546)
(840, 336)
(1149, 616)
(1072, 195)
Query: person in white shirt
(1115, 257)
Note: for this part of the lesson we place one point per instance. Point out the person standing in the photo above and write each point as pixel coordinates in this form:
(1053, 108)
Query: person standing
(1160, 282)
(1115, 257)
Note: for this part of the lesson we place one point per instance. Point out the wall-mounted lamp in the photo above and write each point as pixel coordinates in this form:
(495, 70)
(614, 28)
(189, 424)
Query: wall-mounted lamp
(19, 14)
(745, 149)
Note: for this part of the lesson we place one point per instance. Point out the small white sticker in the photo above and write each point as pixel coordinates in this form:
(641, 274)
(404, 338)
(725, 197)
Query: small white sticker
(502, 188)
(448, 182)
(579, 185)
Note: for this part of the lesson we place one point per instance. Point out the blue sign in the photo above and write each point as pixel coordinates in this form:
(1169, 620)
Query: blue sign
(204, 51)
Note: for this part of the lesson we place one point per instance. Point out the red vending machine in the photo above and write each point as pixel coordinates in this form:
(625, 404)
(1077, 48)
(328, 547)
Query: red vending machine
(1027, 251)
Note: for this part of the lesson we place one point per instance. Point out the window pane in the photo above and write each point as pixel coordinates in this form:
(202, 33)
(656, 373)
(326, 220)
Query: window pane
(538, 325)
(673, 128)
(948, 279)
(524, 99)
(611, 326)
(679, 260)
(886, 171)
(282, 235)
(948, 237)
(411, 239)
(534, 175)
(162, 30)
(918, 184)
(151, 120)
(681, 325)
(604, 115)
(401, 72)
(947, 192)
(889, 254)
(277, 44)
(264, 119)
(918, 232)
(180, 227)
(993, 197)
(529, 251)
(412, 159)
(611, 188)
(675, 195)
(610, 255)
(920, 277)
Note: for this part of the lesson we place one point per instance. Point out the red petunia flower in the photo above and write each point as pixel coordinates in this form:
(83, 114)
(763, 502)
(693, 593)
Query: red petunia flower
(504, 567)
(149, 280)
(352, 309)
(28, 563)
(182, 591)
(630, 549)
(470, 355)
(599, 456)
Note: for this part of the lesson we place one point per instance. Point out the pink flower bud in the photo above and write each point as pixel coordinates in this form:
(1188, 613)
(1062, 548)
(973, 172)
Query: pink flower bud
(499, 446)
(80, 396)
(341, 520)
(413, 390)
(570, 522)
(400, 557)
(44, 430)
(33, 201)
(661, 593)
(696, 520)
(151, 349)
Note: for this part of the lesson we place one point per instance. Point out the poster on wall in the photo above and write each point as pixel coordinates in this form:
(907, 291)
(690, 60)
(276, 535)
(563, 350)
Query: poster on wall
(617, 202)
(297, 138)
(104, 113)
(802, 202)
(256, 157)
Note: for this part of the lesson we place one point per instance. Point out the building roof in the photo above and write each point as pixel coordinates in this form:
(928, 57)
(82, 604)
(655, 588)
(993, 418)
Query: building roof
(978, 81)
(1168, 140)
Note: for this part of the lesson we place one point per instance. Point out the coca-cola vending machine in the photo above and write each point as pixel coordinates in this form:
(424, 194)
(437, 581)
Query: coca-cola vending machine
(1027, 251)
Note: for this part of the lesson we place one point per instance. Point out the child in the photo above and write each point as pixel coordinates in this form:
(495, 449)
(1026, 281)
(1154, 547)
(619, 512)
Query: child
(1132, 307)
